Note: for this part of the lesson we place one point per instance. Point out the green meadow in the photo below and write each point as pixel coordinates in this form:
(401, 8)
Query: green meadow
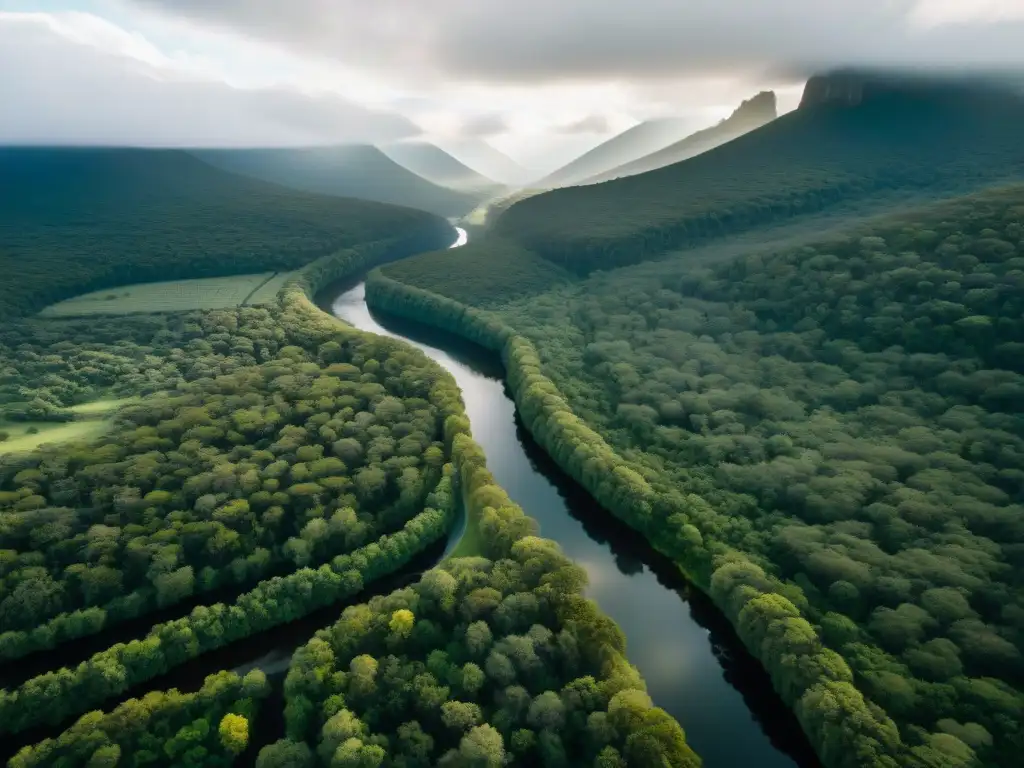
(174, 296)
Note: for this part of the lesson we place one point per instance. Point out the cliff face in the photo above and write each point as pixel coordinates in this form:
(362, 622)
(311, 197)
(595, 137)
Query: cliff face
(760, 108)
(834, 88)
(852, 88)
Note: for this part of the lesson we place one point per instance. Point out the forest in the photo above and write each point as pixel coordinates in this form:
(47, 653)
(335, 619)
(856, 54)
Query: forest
(826, 437)
(521, 272)
(208, 728)
(260, 454)
(75, 220)
(285, 462)
(487, 661)
(818, 421)
(276, 443)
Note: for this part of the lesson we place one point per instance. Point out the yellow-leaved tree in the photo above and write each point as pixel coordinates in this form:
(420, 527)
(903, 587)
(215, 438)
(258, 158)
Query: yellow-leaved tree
(234, 732)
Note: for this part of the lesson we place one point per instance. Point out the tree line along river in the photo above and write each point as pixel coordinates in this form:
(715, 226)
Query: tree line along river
(695, 666)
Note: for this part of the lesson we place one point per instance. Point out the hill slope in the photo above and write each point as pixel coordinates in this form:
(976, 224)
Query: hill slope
(357, 170)
(908, 136)
(751, 114)
(487, 161)
(74, 220)
(632, 143)
(845, 407)
(437, 166)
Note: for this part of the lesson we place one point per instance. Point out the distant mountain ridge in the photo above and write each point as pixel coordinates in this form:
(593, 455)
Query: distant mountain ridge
(489, 162)
(642, 139)
(750, 114)
(359, 171)
(437, 166)
(861, 141)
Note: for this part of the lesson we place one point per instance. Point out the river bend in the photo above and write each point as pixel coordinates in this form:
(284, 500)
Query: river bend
(695, 666)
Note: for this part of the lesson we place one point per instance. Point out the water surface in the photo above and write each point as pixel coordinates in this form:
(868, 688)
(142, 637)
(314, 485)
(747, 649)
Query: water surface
(695, 666)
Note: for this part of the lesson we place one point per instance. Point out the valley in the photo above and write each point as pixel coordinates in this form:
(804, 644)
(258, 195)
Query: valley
(700, 448)
(639, 370)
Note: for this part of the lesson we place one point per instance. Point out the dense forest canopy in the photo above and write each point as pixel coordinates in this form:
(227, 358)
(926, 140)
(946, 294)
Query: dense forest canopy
(264, 450)
(848, 415)
(265, 447)
(287, 462)
(489, 272)
(74, 220)
(477, 665)
(205, 729)
(921, 137)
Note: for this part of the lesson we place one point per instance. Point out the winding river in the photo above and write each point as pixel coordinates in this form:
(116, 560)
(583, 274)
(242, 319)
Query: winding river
(695, 666)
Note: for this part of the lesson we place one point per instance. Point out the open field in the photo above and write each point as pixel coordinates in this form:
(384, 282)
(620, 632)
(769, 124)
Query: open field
(102, 407)
(93, 420)
(174, 296)
(267, 292)
(22, 439)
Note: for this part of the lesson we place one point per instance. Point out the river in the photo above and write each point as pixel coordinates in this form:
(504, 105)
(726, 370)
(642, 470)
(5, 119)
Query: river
(695, 666)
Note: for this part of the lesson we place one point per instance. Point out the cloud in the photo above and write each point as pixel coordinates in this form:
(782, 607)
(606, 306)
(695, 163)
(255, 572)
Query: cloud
(483, 126)
(539, 40)
(589, 124)
(81, 79)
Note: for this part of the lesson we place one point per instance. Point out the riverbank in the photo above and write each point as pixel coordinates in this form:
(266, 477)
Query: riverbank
(695, 666)
(810, 678)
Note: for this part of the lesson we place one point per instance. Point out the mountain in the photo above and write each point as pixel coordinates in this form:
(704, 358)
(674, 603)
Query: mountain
(881, 136)
(487, 161)
(630, 144)
(76, 220)
(437, 166)
(355, 170)
(751, 114)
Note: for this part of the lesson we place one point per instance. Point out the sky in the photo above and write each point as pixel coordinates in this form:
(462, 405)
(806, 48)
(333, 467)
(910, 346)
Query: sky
(541, 80)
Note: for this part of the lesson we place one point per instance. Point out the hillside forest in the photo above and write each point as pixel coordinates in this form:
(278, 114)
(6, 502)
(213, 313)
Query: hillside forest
(843, 412)
(264, 463)
(793, 364)
(164, 215)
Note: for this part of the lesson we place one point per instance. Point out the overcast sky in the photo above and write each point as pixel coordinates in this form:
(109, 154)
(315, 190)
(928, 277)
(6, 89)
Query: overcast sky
(538, 79)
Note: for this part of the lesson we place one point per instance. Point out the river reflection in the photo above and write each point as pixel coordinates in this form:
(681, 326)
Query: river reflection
(694, 665)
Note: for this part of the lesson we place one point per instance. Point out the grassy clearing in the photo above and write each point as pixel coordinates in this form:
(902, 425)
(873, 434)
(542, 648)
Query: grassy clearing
(471, 541)
(97, 407)
(22, 439)
(477, 217)
(93, 419)
(267, 293)
(174, 296)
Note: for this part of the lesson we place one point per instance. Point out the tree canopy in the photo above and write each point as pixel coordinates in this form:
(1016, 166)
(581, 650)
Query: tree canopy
(826, 435)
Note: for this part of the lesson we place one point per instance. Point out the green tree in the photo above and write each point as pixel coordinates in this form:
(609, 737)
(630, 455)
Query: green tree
(234, 732)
